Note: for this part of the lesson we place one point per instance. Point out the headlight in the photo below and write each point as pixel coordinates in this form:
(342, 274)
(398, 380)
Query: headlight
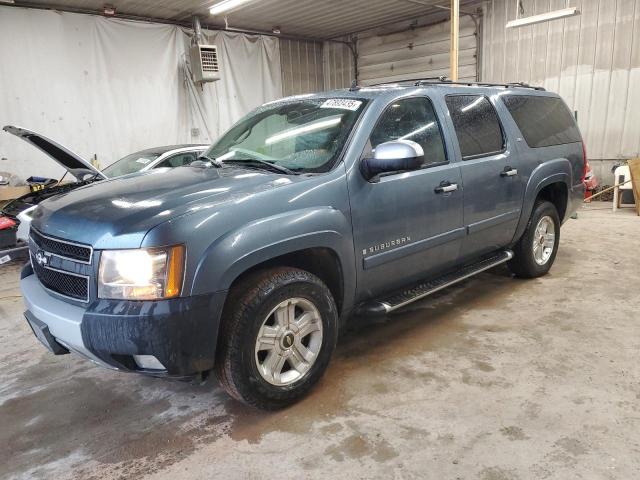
(142, 274)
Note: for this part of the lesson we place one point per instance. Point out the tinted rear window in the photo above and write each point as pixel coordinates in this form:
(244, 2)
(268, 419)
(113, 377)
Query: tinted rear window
(543, 121)
(477, 126)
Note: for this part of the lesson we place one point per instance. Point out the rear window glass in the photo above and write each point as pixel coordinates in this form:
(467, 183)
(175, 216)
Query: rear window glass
(477, 126)
(543, 121)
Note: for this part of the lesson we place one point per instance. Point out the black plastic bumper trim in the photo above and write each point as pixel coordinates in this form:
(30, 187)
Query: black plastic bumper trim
(42, 333)
(181, 333)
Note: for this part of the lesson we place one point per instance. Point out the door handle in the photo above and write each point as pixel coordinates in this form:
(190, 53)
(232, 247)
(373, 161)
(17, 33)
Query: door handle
(509, 172)
(445, 187)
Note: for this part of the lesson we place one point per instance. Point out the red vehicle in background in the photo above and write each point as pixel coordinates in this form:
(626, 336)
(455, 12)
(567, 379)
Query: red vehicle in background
(590, 181)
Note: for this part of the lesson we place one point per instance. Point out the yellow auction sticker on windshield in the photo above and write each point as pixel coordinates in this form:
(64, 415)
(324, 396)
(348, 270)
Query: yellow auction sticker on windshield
(342, 103)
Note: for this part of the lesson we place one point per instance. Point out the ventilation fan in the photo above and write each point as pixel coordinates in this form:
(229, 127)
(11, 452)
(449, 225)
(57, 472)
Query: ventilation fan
(205, 66)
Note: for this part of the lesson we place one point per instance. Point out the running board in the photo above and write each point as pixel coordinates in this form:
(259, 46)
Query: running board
(423, 289)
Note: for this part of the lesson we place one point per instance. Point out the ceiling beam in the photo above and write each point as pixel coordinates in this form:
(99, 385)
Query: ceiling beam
(164, 21)
(185, 21)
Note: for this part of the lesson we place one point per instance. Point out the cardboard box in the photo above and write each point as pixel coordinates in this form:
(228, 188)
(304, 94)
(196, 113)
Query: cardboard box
(11, 193)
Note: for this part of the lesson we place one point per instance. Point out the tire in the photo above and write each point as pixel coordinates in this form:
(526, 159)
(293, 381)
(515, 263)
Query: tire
(271, 304)
(527, 261)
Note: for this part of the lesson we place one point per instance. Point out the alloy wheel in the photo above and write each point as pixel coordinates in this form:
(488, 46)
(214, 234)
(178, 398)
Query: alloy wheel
(544, 240)
(288, 342)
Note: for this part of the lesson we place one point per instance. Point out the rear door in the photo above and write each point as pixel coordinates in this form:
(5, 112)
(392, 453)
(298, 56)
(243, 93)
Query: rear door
(492, 188)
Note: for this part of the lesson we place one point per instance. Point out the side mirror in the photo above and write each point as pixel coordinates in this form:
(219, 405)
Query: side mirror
(394, 156)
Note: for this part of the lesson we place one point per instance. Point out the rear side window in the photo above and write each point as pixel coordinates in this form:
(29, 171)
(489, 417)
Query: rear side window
(543, 121)
(477, 125)
(412, 119)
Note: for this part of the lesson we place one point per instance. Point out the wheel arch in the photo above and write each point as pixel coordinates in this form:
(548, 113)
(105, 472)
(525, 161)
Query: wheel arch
(558, 194)
(323, 262)
(550, 181)
(291, 240)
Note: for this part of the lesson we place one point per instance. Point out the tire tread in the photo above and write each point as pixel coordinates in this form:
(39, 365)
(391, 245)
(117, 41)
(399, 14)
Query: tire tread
(523, 265)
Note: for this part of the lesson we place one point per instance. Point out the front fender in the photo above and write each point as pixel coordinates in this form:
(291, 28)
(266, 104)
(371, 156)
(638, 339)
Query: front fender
(264, 239)
(553, 171)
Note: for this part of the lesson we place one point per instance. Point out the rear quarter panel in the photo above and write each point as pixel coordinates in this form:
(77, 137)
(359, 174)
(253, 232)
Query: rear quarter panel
(542, 166)
(558, 163)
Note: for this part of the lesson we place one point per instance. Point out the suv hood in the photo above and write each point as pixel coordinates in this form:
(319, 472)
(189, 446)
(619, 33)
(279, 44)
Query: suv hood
(119, 212)
(73, 163)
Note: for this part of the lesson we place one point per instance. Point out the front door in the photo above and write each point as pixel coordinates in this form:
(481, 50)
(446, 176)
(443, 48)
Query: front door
(492, 188)
(405, 224)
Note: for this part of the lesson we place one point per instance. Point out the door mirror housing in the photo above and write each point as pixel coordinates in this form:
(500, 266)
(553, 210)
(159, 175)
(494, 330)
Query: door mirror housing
(393, 156)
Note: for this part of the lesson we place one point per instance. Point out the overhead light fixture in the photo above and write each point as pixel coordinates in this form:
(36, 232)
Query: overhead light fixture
(276, 30)
(544, 17)
(227, 5)
(109, 10)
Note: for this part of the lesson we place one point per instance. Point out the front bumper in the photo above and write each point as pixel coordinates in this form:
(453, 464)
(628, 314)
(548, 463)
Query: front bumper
(180, 333)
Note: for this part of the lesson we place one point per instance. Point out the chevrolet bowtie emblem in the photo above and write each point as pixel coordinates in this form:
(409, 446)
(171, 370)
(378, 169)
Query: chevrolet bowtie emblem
(41, 258)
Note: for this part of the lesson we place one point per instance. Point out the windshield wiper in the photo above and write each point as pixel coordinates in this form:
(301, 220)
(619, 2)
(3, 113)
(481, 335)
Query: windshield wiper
(212, 160)
(254, 162)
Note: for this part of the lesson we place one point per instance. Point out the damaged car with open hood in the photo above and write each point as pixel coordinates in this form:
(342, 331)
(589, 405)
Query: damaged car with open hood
(15, 216)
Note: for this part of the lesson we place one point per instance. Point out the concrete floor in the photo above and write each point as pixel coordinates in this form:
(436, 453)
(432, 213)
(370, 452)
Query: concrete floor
(494, 379)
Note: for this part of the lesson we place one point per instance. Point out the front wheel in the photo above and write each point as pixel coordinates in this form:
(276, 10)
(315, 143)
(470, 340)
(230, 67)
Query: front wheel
(278, 332)
(536, 250)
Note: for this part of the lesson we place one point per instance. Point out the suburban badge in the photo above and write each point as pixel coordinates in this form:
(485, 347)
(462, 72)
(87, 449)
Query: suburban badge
(386, 245)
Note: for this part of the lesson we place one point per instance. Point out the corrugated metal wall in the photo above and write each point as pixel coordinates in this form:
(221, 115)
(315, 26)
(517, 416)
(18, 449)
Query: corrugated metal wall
(415, 53)
(302, 67)
(592, 60)
(339, 68)
(314, 66)
(401, 50)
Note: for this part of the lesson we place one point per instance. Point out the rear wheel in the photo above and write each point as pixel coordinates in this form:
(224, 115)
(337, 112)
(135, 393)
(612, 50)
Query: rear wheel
(536, 250)
(278, 333)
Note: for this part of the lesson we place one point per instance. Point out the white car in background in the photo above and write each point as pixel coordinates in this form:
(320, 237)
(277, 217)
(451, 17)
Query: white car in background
(83, 173)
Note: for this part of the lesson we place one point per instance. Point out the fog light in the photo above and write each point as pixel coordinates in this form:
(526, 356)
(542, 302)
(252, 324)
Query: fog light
(148, 362)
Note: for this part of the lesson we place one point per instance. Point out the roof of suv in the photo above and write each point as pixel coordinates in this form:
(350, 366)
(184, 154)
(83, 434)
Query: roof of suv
(390, 90)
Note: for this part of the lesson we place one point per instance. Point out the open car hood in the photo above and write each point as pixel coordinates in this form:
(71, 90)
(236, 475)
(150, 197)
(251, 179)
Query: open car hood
(75, 165)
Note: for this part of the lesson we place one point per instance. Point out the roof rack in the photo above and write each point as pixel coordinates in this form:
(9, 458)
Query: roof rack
(418, 82)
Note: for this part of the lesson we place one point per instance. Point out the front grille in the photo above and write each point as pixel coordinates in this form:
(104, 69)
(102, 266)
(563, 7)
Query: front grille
(67, 284)
(62, 248)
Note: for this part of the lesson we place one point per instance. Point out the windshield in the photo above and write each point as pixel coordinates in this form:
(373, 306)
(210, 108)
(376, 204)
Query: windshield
(129, 164)
(300, 135)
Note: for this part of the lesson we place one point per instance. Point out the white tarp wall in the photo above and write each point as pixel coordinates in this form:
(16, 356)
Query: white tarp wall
(110, 87)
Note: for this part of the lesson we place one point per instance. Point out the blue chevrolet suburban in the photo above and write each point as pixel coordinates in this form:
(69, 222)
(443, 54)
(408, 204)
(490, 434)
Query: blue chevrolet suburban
(247, 262)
